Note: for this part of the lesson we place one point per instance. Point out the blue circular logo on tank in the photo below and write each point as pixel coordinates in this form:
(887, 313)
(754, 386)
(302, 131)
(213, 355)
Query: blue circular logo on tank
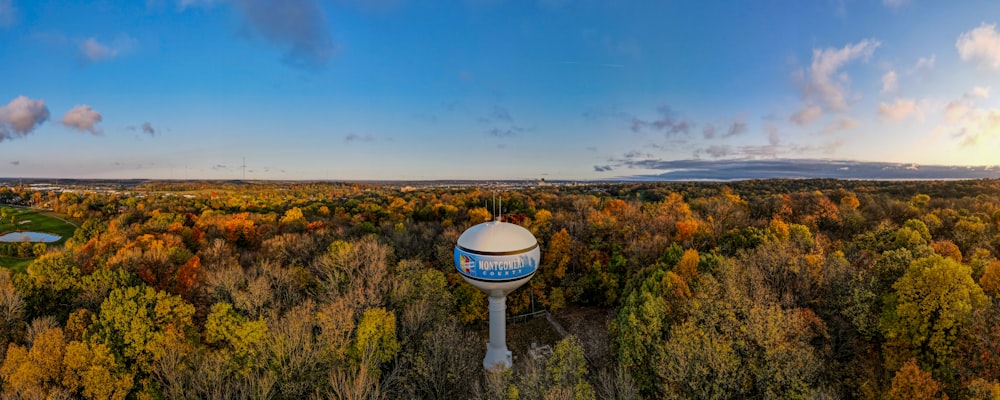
(497, 266)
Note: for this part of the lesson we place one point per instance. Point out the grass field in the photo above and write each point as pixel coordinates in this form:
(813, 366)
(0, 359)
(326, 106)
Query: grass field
(15, 264)
(38, 221)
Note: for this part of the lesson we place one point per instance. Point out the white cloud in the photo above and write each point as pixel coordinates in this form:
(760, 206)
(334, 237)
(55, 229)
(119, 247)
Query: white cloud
(898, 111)
(825, 83)
(894, 3)
(94, 51)
(924, 65)
(82, 118)
(889, 82)
(978, 92)
(807, 115)
(980, 45)
(21, 116)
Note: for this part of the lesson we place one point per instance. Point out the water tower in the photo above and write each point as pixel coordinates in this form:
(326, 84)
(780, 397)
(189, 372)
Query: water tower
(497, 257)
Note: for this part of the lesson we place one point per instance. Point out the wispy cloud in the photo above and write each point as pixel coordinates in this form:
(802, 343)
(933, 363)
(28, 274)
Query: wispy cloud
(843, 123)
(969, 123)
(503, 123)
(800, 168)
(603, 168)
(806, 115)
(611, 112)
(83, 119)
(92, 50)
(8, 13)
(298, 26)
(21, 116)
(146, 128)
(501, 114)
(708, 131)
(353, 137)
(890, 82)
(512, 131)
(924, 65)
(15, 163)
(978, 92)
(824, 86)
(739, 126)
(981, 46)
(900, 110)
(667, 122)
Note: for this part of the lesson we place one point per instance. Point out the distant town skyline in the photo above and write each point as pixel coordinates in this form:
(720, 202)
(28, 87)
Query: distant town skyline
(490, 89)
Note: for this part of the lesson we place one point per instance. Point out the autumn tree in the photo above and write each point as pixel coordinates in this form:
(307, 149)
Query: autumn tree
(913, 383)
(933, 302)
(241, 339)
(36, 372)
(138, 324)
(567, 370)
(92, 371)
(376, 336)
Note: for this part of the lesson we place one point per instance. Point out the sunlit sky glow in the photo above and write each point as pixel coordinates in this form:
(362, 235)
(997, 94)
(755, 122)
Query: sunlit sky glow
(489, 89)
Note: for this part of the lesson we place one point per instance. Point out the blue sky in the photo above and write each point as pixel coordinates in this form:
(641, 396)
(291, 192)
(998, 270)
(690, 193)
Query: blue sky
(489, 89)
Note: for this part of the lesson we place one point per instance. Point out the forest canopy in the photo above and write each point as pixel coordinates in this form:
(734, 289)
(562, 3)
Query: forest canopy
(753, 289)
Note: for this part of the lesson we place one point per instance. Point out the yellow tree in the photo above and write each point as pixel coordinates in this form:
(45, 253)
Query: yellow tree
(687, 267)
(558, 256)
(36, 372)
(376, 337)
(990, 281)
(935, 299)
(91, 370)
(293, 220)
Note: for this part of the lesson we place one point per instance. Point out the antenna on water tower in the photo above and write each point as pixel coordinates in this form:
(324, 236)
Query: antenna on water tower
(497, 257)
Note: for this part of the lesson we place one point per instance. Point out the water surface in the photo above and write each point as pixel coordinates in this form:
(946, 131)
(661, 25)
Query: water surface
(29, 237)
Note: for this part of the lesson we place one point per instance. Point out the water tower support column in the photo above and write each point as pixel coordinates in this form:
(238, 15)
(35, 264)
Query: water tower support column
(496, 352)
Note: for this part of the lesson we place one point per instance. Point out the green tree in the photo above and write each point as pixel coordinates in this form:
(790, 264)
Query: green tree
(243, 339)
(567, 370)
(376, 336)
(934, 300)
(140, 323)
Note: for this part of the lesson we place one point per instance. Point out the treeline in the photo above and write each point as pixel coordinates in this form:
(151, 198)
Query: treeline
(22, 249)
(757, 289)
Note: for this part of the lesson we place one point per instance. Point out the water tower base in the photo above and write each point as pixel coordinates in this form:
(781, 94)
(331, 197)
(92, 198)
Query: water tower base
(496, 352)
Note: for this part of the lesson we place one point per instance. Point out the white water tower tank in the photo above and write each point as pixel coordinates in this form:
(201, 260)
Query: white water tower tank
(497, 257)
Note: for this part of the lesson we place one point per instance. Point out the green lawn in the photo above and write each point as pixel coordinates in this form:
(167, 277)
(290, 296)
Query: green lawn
(15, 264)
(39, 221)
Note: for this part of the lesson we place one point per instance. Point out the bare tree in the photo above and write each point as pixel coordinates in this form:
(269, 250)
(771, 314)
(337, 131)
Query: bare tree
(615, 383)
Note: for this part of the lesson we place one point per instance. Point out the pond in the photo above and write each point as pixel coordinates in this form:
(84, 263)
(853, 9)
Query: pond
(29, 237)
